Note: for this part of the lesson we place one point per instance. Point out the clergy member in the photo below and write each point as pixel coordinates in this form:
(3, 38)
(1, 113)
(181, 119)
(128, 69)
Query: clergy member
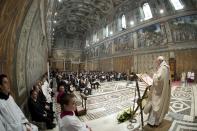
(11, 116)
(160, 93)
(68, 121)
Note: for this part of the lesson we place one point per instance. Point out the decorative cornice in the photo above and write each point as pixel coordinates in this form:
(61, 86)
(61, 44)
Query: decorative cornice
(165, 48)
(64, 49)
(148, 23)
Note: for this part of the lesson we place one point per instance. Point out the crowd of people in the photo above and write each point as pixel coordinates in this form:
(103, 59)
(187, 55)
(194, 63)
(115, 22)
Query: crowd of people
(85, 81)
(187, 77)
(66, 83)
(40, 101)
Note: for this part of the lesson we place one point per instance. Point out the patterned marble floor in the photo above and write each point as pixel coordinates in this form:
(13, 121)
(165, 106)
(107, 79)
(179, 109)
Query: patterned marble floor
(113, 97)
(183, 126)
(182, 109)
(181, 100)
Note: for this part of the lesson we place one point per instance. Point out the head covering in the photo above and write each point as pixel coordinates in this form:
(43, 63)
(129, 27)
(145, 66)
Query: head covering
(161, 58)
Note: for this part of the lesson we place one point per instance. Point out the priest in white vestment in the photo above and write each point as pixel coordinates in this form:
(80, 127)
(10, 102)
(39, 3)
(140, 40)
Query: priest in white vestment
(160, 93)
(68, 121)
(11, 116)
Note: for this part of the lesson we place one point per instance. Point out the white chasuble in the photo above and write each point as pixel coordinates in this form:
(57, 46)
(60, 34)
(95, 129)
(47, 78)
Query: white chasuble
(161, 92)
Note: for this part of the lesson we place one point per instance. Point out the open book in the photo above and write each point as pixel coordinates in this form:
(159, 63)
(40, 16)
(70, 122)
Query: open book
(146, 78)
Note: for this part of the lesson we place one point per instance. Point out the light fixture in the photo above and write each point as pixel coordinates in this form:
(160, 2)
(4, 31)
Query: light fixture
(141, 20)
(54, 21)
(161, 11)
(60, 0)
(55, 13)
(131, 22)
(111, 33)
(53, 29)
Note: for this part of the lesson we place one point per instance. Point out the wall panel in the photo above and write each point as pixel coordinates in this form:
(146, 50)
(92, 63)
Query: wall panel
(123, 63)
(186, 60)
(146, 62)
(23, 46)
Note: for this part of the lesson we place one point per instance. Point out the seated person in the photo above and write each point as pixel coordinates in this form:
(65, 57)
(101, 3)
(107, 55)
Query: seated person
(41, 97)
(103, 77)
(68, 121)
(61, 90)
(11, 116)
(88, 89)
(38, 112)
(111, 77)
(76, 83)
(118, 76)
(95, 84)
(46, 90)
(81, 84)
(192, 76)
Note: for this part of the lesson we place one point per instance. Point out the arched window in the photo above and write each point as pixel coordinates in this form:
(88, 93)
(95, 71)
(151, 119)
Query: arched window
(177, 4)
(123, 22)
(147, 11)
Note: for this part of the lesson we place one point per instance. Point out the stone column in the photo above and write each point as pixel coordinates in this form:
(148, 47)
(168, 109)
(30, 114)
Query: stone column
(168, 33)
(135, 41)
(135, 69)
(92, 65)
(64, 63)
(86, 63)
(112, 64)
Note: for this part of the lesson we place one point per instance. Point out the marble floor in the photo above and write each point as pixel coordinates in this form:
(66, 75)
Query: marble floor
(112, 97)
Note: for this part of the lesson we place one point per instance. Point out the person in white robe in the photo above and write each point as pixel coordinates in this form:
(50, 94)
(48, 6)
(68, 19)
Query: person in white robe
(183, 78)
(188, 76)
(46, 90)
(160, 93)
(192, 76)
(68, 121)
(11, 116)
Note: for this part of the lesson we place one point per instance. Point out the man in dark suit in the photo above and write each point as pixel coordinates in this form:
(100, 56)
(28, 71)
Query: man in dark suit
(38, 112)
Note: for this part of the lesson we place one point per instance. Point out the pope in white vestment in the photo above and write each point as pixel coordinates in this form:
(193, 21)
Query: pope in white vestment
(160, 93)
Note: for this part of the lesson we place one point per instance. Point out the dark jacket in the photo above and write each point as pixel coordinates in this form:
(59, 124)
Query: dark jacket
(37, 111)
